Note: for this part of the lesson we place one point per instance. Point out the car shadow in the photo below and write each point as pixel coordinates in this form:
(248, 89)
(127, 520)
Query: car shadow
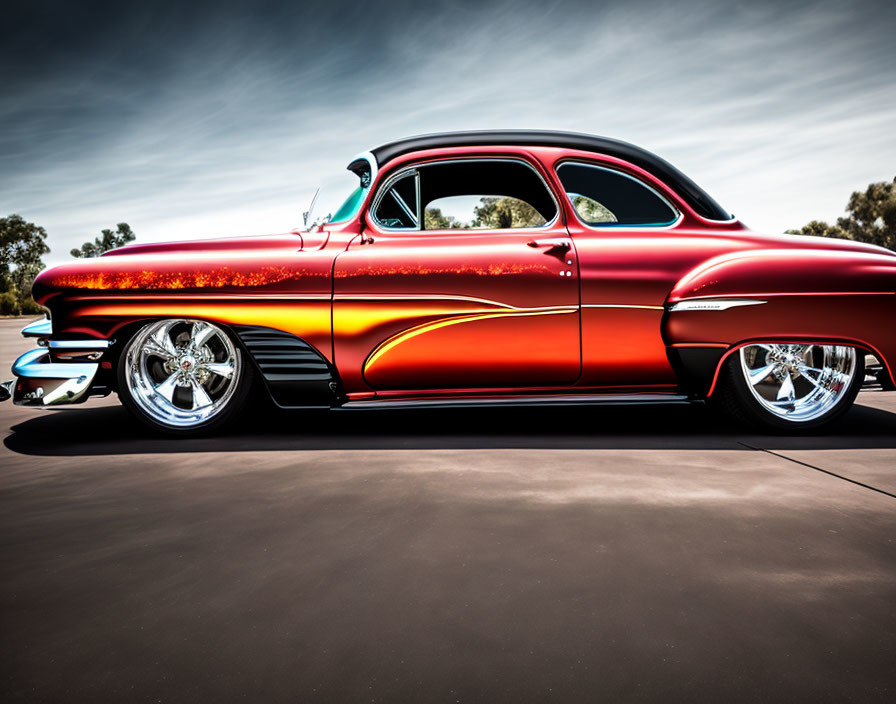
(110, 430)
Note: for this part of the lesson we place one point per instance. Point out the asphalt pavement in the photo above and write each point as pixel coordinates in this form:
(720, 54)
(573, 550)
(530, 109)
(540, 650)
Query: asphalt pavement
(561, 554)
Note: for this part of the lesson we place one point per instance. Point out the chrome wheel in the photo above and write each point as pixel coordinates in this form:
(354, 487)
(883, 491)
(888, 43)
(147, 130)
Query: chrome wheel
(798, 383)
(182, 373)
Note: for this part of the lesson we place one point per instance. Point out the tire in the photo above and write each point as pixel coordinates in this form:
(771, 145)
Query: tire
(786, 387)
(183, 377)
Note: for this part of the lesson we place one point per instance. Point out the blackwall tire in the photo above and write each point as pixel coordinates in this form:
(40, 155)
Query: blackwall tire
(791, 387)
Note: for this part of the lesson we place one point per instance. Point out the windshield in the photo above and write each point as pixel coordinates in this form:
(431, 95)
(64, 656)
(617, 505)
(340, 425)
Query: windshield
(350, 205)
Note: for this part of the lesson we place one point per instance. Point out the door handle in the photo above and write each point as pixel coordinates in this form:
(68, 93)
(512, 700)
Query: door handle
(551, 244)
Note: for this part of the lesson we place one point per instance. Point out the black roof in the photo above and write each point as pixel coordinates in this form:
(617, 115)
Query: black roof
(692, 194)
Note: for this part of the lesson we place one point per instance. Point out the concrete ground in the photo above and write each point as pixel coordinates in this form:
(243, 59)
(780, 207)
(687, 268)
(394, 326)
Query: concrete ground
(649, 554)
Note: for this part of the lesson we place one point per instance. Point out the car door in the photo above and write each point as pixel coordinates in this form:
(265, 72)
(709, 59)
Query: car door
(632, 250)
(449, 308)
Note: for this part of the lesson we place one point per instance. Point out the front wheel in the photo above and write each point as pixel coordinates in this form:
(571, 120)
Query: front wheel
(792, 386)
(183, 376)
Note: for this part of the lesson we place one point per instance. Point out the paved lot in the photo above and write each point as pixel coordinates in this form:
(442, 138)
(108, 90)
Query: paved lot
(504, 555)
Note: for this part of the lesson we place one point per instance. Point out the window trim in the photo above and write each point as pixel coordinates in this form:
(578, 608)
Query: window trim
(382, 190)
(606, 226)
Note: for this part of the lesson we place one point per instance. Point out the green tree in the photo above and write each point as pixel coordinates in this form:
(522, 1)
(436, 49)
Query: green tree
(870, 217)
(591, 211)
(110, 239)
(504, 212)
(21, 246)
(434, 219)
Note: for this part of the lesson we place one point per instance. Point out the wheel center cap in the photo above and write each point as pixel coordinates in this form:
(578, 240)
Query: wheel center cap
(187, 363)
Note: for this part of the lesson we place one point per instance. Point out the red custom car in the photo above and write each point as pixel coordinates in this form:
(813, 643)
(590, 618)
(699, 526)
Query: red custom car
(591, 272)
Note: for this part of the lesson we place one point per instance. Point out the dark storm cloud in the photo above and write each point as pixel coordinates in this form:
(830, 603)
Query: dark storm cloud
(190, 119)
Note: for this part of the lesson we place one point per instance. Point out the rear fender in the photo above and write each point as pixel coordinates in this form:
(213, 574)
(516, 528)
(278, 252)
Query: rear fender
(779, 296)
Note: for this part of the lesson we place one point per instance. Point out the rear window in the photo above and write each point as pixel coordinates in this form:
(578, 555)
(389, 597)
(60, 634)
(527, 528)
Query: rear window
(604, 197)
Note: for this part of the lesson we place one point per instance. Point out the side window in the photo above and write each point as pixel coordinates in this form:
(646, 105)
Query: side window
(399, 206)
(466, 194)
(480, 212)
(491, 194)
(603, 197)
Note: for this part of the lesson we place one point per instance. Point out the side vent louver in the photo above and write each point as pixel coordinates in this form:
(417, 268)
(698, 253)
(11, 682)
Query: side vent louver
(296, 374)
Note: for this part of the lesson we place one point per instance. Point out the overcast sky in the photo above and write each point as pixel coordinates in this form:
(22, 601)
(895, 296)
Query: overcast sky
(204, 119)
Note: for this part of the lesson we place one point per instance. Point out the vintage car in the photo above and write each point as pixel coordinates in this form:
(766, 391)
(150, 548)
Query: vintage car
(593, 272)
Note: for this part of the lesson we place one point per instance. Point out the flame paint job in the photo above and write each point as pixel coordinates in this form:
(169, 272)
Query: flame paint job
(480, 312)
(454, 341)
(145, 280)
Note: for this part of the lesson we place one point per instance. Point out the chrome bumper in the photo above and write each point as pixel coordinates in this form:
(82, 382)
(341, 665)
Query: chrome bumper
(42, 382)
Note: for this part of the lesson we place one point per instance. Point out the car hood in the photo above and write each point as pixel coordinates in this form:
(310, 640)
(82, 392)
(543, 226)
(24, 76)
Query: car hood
(293, 241)
(234, 264)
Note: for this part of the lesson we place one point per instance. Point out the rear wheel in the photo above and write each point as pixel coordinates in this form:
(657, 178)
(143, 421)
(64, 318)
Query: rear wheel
(183, 376)
(792, 386)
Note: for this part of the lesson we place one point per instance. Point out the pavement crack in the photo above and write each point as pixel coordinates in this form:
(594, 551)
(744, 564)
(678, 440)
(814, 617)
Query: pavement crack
(819, 469)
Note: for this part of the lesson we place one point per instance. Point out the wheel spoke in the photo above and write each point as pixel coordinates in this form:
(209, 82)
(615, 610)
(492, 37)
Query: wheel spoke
(160, 344)
(224, 369)
(200, 396)
(812, 381)
(839, 378)
(166, 388)
(201, 333)
(151, 347)
(786, 392)
(761, 374)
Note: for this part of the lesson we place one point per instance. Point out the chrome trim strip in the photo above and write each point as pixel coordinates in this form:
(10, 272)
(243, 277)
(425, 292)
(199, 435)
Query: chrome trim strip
(79, 344)
(412, 297)
(714, 304)
(38, 328)
(547, 400)
(620, 305)
(75, 379)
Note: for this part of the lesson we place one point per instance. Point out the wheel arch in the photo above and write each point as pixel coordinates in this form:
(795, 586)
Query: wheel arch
(293, 372)
(720, 365)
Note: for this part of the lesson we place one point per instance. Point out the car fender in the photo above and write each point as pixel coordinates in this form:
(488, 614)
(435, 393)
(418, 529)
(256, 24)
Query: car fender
(779, 295)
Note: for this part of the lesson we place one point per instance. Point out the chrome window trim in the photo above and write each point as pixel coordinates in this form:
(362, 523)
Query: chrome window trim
(679, 216)
(384, 190)
(413, 215)
(381, 193)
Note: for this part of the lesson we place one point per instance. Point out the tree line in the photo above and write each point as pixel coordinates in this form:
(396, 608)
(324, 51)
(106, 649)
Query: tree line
(870, 217)
(22, 246)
